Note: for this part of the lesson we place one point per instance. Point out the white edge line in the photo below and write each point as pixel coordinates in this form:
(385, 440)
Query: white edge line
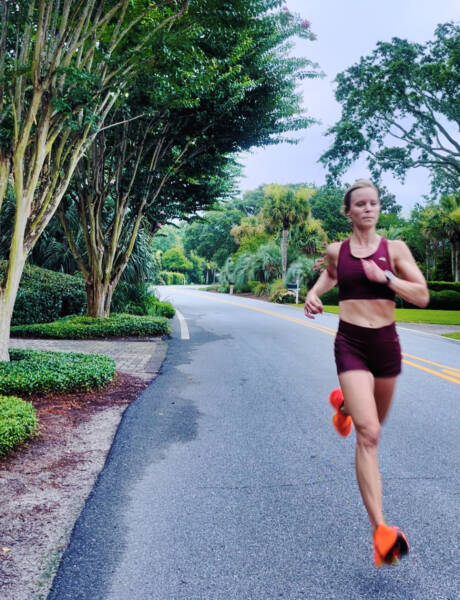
(184, 332)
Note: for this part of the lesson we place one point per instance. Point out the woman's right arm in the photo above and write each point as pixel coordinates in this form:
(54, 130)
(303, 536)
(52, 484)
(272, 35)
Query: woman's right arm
(326, 281)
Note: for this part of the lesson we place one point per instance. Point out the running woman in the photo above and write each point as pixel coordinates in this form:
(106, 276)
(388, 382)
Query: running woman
(369, 271)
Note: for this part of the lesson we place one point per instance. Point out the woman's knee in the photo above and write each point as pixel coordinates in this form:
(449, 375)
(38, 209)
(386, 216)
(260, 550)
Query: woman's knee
(368, 434)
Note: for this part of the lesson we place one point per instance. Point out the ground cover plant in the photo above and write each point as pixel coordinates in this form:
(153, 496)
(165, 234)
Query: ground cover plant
(75, 327)
(18, 422)
(37, 371)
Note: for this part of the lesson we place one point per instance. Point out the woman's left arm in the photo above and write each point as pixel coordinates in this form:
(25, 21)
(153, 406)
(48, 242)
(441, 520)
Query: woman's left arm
(409, 282)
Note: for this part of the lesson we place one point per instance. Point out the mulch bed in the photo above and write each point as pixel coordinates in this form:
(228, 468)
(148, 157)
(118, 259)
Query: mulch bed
(41, 475)
(73, 409)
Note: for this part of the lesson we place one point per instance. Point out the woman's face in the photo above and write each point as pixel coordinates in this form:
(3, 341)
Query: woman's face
(364, 208)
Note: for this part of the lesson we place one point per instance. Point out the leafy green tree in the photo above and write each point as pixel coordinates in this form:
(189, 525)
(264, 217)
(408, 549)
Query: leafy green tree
(220, 84)
(309, 236)
(63, 65)
(326, 205)
(408, 93)
(251, 202)
(199, 268)
(250, 234)
(174, 259)
(168, 236)
(211, 237)
(284, 208)
(443, 221)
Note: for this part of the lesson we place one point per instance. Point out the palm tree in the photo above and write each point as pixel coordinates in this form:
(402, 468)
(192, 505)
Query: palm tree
(283, 208)
(443, 221)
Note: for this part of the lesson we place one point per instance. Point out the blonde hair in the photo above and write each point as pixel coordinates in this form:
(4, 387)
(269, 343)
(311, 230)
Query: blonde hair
(358, 184)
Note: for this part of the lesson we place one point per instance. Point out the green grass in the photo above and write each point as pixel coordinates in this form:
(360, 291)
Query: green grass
(454, 336)
(415, 315)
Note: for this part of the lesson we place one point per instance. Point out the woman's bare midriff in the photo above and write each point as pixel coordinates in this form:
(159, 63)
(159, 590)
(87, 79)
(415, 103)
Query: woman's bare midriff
(367, 313)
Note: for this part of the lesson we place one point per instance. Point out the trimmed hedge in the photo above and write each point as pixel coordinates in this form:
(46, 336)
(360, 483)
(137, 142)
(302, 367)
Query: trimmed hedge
(45, 295)
(75, 327)
(444, 299)
(18, 422)
(331, 297)
(438, 286)
(39, 371)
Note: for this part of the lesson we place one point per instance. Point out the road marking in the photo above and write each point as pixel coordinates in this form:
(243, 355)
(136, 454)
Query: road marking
(446, 370)
(437, 373)
(184, 332)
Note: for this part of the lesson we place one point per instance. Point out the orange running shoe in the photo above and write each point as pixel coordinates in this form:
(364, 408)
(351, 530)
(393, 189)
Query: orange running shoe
(342, 423)
(390, 544)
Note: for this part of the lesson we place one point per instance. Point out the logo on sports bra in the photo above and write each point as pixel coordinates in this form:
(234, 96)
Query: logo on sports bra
(382, 258)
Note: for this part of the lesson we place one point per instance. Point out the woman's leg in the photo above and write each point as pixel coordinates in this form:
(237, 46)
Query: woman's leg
(384, 388)
(358, 390)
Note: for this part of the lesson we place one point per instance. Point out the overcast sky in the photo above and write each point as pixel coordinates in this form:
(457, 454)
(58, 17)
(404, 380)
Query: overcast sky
(346, 31)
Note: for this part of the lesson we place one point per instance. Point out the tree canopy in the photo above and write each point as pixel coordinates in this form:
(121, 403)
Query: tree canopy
(401, 108)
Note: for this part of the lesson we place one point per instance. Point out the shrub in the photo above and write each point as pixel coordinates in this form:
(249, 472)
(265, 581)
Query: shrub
(138, 299)
(444, 300)
(117, 325)
(38, 371)
(18, 422)
(331, 297)
(261, 289)
(45, 295)
(172, 278)
(252, 285)
(438, 286)
(302, 293)
(161, 309)
(223, 289)
(242, 288)
(280, 294)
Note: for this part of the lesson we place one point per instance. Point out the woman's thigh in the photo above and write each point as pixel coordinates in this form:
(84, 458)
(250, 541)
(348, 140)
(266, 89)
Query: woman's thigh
(384, 388)
(358, 390)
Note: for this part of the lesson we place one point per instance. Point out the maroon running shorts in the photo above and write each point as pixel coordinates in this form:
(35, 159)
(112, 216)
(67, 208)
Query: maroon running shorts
(368, 349)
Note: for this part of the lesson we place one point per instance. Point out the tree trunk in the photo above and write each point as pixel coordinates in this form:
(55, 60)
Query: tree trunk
(99, 298)
(8, 292)
(284, 247)
(455, 245)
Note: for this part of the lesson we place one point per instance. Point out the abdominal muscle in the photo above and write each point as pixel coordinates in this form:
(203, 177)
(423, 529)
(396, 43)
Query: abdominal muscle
(367, 313)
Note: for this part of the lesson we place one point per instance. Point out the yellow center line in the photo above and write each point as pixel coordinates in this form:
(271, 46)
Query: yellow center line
(437, 373)
(447, 371)
(430, 362)
(454, 373)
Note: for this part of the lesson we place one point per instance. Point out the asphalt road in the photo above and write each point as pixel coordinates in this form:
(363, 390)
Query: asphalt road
(226, 480)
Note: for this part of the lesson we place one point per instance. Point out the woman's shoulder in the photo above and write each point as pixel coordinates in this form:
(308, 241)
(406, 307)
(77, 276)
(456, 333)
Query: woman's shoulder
(334, 248)
(397, 247)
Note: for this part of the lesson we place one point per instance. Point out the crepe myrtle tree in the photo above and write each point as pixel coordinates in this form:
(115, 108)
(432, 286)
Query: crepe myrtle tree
(63, 64)
(223, 86)
(401, 108)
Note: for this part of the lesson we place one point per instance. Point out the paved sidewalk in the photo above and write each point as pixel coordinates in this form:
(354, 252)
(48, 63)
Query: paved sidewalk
(142, 358)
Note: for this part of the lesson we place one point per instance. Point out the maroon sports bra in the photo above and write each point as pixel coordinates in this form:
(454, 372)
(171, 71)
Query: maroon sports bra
(352, 281)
